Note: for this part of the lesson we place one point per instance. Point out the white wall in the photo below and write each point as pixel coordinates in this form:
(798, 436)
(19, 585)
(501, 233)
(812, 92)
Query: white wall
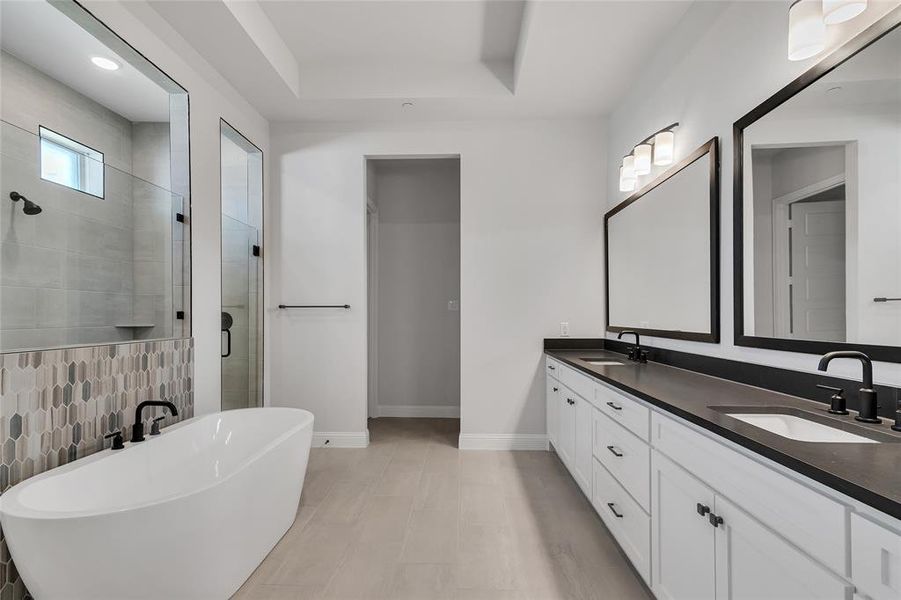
(418, 273)
(531, 254)
(211, 97)
(711, 71)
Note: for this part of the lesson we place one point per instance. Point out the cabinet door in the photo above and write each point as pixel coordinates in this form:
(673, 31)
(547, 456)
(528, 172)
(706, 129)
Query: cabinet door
(553, 409)
(753, 562)
(566, 434)
(682, 536)
(583, 444)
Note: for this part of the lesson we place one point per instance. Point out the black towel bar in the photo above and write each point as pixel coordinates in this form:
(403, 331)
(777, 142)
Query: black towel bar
(344, 306)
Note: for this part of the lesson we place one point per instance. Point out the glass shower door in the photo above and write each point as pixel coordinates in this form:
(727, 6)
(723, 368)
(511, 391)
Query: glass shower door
(242, 218)
(240, 312)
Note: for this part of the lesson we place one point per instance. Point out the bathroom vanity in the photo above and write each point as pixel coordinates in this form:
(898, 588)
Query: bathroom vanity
(706, 504)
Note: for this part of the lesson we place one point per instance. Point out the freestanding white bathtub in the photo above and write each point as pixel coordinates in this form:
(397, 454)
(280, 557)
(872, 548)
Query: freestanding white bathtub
(186, 515)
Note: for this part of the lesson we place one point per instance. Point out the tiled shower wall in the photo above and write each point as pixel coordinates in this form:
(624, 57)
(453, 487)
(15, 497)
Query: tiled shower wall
(56, 406)
(86, 270)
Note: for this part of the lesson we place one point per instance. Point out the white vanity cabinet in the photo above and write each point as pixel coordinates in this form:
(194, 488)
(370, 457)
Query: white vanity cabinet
(553, 410)
(701, 518)
(707, 547)
(875, 559)
(569, 418)
(682, 537)
(754, 562)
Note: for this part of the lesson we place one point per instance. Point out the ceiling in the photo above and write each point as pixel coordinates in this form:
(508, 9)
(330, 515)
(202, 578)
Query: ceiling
(328, 60)
(45, 38)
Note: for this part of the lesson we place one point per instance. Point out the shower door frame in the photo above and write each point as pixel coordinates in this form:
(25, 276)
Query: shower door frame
(261, 346)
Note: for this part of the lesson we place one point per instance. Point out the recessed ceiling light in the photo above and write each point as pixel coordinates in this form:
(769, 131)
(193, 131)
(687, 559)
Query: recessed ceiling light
(407, 105)
(105, 63)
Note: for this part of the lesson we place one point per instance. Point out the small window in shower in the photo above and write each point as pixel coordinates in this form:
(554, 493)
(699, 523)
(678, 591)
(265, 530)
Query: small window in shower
(69, 163)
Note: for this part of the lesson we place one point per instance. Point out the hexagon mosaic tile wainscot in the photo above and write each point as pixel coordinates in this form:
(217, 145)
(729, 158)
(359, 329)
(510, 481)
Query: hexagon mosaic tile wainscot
(56, 406)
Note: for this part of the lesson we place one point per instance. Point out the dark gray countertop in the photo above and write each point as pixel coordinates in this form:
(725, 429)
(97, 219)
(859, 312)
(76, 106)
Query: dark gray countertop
(870, 473)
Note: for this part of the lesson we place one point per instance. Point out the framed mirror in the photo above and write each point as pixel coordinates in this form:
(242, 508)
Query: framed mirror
(661, 248)
(94, 185)
(817, 191)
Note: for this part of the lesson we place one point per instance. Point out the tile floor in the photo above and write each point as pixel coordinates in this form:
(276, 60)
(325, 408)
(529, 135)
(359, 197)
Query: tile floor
(412, 517)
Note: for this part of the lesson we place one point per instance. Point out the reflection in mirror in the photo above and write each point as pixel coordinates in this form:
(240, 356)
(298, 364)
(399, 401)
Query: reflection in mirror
(822, 207)
(93, 173)
(662, 253)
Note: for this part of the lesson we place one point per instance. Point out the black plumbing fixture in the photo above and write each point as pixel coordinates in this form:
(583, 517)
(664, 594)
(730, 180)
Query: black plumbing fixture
(28, 207)
(155, 425)
(897, 424)
(118, 443)
(837, 401)
(868, 411)
(635, 352)
(137, 430)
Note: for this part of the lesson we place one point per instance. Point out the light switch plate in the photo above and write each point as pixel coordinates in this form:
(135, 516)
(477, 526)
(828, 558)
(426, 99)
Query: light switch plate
(453, 305)
(564, 328)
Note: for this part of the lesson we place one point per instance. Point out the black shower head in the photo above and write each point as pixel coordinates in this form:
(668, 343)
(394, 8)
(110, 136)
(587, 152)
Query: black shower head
(29, 207)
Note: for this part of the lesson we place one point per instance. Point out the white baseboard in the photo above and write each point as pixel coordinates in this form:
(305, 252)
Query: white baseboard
(503, 441)
(341, 439)
(429, 412)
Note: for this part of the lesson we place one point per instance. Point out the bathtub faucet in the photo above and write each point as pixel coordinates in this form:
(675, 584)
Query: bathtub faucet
(137, 430)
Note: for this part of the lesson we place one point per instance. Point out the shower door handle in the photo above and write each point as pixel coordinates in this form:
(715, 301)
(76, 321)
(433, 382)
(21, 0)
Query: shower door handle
(228, 343)
(227, 322)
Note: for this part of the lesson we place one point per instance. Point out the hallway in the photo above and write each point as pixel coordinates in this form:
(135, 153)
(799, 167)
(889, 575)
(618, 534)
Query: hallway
(413, 517)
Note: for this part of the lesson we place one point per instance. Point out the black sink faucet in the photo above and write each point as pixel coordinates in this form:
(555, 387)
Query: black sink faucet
(868, 411)
(635, 353)
(137, 430)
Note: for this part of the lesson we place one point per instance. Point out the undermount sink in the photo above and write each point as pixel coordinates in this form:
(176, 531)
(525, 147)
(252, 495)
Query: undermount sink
(600, 362)
(798, 428)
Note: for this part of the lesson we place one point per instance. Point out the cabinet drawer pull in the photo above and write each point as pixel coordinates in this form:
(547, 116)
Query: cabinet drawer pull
(614, 451)
(570, 401)
(612, 508)
(703, 509)
(715, 520)
(614, 406)
(556, 389)
(551, 367)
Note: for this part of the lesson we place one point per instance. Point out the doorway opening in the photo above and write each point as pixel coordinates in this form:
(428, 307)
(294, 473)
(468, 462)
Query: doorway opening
(242, 270)
(413, 245)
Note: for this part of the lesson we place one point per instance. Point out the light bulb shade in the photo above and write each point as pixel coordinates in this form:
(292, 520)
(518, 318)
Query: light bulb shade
(628, 168)
(642, 154)
(839, 11)
(806, 29)
(626, 184)
(664, 148)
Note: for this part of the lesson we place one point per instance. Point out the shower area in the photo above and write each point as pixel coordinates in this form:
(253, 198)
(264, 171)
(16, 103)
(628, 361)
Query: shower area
(94, 223)
(81, 269)
(242, 270)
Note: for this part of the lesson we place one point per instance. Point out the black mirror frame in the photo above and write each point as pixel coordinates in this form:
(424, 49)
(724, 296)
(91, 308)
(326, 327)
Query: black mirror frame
(864, 39)
(710, 147)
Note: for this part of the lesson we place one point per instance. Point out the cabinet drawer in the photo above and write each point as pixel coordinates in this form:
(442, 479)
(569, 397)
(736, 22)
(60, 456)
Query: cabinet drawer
(875, 559)
(625, 456)
(578, 382)
(801, 515)
(552, 367)
(625, 519)
(624, 410)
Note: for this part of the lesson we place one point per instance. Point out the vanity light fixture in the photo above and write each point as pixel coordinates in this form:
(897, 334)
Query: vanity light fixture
(839, 11)
(105, 63)
(659, 148)
(627, 179)
(807, 21)
(806, 29)
(642, 154)
(664, 148)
